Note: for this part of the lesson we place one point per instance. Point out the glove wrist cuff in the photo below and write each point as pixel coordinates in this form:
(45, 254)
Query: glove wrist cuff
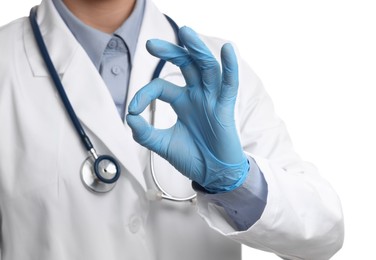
(223, 177)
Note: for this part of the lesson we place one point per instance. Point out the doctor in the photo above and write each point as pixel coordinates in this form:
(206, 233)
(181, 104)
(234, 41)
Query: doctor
(220, 131)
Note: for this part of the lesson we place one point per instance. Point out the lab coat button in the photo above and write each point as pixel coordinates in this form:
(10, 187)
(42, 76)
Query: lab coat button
(134, 224)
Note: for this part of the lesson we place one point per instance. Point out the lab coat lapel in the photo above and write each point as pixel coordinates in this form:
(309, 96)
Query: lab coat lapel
(95, 108)
(85, 88)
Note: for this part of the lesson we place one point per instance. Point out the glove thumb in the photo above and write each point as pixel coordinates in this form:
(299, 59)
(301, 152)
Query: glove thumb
(146, 135)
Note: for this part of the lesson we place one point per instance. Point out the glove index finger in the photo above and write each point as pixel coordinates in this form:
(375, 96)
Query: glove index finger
(156, 89)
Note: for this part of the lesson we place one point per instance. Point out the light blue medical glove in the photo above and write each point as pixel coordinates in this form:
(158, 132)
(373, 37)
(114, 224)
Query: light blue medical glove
(203, 144)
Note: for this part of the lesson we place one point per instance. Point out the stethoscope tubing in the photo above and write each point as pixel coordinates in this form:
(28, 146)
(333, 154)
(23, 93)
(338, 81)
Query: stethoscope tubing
(56, 79)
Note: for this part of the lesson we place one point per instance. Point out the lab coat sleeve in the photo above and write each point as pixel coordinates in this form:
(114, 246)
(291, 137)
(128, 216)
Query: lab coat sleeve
(303, 217)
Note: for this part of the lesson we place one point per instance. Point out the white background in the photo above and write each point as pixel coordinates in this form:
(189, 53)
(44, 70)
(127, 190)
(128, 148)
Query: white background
(317, 60)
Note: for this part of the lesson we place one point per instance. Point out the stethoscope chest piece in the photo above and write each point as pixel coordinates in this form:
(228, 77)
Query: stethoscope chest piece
(100, 174)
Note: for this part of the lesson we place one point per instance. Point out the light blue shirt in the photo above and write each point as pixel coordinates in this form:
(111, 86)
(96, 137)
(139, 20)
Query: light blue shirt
(113, 55)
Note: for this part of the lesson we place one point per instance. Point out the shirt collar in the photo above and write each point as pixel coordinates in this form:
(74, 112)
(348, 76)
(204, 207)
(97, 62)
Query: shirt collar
(94, 41)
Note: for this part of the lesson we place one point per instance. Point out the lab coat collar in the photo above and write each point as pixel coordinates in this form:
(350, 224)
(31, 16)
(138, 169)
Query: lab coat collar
(63, 44)
(60, 42)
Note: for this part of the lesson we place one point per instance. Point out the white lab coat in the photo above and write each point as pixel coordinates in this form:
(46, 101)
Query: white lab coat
(45, 211)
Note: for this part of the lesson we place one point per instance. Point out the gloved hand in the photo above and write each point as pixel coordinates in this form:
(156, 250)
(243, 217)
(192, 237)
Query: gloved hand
(203, 144)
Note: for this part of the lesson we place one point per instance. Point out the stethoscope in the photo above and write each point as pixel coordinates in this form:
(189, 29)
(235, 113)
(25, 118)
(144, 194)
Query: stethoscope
(99, 173)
